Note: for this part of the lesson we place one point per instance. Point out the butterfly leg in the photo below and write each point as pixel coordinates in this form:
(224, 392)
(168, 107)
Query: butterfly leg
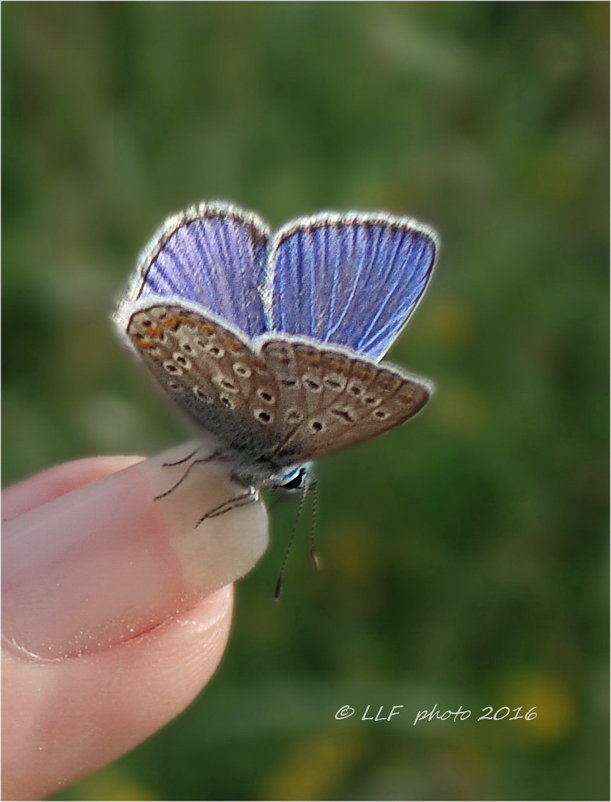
(218, 454)
(249, 497)
(180, 461)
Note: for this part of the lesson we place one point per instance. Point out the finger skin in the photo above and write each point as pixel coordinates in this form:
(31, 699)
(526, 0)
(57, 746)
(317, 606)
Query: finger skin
(75, 710)
(104, 562)
(55, 481)
(62, 720)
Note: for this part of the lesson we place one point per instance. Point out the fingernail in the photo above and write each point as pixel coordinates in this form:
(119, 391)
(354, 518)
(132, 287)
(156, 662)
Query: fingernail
(106, 562)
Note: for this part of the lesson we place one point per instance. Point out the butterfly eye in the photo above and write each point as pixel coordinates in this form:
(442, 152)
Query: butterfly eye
(263, 416)
(296, 482)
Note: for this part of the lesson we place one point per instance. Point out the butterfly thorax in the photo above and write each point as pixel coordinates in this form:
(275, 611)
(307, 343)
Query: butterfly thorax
(261, 472)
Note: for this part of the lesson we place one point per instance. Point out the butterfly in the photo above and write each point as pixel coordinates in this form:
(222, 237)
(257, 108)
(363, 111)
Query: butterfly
(272, 342)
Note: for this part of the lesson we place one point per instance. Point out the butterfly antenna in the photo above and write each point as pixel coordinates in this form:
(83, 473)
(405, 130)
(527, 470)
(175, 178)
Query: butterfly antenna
(289, 546)
(312, 551)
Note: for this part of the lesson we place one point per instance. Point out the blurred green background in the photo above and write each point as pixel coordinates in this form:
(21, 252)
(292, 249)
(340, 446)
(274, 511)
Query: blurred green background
(464, 554)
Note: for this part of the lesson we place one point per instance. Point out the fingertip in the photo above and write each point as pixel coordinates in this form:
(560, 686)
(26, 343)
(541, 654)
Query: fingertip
(96, 566)
(105, 703)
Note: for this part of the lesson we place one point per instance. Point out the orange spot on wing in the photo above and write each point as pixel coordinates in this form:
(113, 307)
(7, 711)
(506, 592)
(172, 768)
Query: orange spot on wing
(405, 398)
(338, 365)
(259, 365)
(171, 323)
(361, 372)
(387, 382)
(309, 355)
(232, 344)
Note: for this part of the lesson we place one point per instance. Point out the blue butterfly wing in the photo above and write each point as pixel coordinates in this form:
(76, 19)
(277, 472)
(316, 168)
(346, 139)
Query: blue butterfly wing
(351, 280)
(213, 256)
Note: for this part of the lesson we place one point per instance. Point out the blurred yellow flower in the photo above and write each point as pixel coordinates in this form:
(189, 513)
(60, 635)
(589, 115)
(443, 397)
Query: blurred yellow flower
(551, 698)
(313, 768)
(449, 321)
